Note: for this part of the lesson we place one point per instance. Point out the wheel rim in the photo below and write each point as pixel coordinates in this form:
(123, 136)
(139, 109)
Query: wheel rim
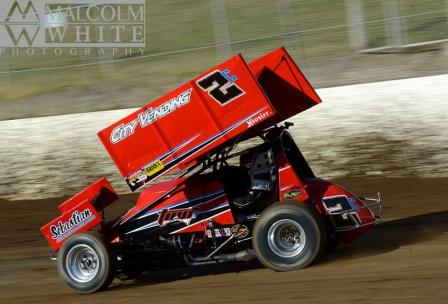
(82, 263)
(286, 238)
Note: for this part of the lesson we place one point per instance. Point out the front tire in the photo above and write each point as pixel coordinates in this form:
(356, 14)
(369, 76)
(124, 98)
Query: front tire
(287, 236)
(86, 262)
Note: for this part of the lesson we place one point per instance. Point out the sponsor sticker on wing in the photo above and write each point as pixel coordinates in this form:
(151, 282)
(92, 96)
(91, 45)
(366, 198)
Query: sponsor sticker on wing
(78, 219)
(149, 116)
(153, 168)
(137, 178)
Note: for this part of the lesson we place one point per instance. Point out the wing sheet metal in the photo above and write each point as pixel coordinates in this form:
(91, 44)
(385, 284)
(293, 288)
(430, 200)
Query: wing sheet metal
(285, 85)
(174, 130)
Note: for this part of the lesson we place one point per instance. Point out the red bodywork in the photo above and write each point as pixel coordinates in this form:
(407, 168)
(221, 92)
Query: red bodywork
(180, 129)
(200, 186)
(195, 127)
(320, 189)
(79, 213)
(201, 122)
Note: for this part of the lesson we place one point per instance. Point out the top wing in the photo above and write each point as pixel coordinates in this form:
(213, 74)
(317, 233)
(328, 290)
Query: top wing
(176, 129)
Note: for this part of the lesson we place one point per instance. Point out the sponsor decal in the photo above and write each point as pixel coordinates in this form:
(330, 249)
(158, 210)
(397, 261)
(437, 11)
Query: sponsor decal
(141, 175)
(123, 131)
(219, 232)
(352, 202)
(336, 208)
(241, 231)
(292, 194)
(253, 121)
(153, 168)
(184, 215)
(149, 116)
(221, 86)
(173, 162)
(137, 178)
(78, 219)
(336, 204)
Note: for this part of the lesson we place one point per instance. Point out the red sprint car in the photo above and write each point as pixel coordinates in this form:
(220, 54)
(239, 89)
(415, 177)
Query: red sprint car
(221, 203)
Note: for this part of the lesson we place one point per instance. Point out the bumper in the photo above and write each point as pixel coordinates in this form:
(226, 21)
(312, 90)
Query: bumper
(368, 214)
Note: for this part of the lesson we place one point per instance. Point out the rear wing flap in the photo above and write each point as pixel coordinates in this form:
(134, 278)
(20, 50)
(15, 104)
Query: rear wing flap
(79, 213)
(284, 84)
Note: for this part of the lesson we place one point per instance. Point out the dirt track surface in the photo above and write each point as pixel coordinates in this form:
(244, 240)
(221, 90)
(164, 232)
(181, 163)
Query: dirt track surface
(402, 260)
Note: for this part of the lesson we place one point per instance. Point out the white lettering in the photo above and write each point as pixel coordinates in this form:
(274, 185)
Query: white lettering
(128, 51)
(253, 121)
(89, 13)
(149, 116)
(85, 33)
(30, 51)
(106, 15)
(73, 51)
(117, 29)
(123, 131)
(78, 219)
(100, 33)
(57, 32)
(139, 16)
(137, 33)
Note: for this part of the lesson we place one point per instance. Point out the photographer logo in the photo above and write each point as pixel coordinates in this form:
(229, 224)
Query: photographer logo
(72, 23)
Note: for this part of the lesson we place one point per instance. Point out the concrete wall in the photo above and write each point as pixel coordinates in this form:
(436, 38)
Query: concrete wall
(392, 128)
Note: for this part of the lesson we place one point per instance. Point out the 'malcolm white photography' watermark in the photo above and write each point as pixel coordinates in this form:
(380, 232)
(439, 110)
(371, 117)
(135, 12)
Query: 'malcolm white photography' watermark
(75, 26)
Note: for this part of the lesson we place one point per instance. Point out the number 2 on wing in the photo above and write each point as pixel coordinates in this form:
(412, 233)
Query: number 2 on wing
(220, 86)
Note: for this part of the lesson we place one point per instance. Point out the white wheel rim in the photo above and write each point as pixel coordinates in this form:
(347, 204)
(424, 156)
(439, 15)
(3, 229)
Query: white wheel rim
(82, 263)
(286, 238)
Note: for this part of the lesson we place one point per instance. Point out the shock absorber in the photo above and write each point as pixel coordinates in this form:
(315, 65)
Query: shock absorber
(211, 227)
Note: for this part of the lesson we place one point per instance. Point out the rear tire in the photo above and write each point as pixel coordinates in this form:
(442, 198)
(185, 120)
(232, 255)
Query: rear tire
(287, 236)
(86, 262)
